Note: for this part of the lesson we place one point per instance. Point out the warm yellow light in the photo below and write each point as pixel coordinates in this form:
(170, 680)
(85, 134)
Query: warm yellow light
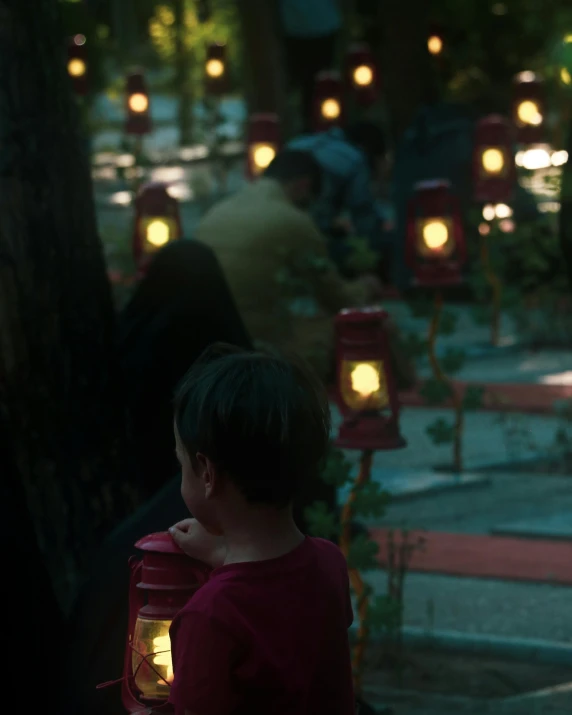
(493, 161)
(138, 102)
(263, 155)
(365, 380)
(363, 76)
(489, 212)
(435, 235)
(215, 68)
(435, 45)
(76, 67)
(162, 647)
(529, 113)
(158, 233)
(331, 109)
(151, 659)
(565, 76)
(484, 229)
(567, 39)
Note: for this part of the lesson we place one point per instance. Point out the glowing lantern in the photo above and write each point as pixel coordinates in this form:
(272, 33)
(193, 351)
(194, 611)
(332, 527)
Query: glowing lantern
(216, 74)
(161, 584)
(328, 101)
(528, 108)
(362, 74)
(435, 244)
(366, 388)
(138, 115)
(77, 64)
(435, 44)
(494, 172)
(157, 222)
(263, 143)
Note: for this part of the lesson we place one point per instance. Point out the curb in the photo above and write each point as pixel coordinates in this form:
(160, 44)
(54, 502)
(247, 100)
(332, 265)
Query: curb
(518, 649)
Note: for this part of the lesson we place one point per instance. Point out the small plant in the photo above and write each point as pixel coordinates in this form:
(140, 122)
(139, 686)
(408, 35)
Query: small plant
(382, 613)
(439, 388)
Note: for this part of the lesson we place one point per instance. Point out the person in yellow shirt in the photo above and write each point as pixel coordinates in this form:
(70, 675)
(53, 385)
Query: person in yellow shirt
(277, 264)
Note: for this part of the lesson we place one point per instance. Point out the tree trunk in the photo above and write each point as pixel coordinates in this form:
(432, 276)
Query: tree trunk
(566, 208)
(263, 57)
(59, 396)
(183, 81)
(407, 78)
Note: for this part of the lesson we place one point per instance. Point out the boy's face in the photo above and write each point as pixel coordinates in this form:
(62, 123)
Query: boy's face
(197, 488)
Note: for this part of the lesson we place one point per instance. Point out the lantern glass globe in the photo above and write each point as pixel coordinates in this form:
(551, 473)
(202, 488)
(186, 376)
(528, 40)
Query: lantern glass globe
(138, 102)
(493, 161)
(215, 68)
(263, 155)
(331, 109)
(152, 645)
(76, 67)
(363, 76)
(435, 235)
(158, 233)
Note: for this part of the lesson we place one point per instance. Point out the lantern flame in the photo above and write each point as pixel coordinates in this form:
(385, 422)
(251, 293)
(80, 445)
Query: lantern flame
(529, 113)
(215, 68)
(162, 644)
(76, 67)
(493, 161)
(138, 102)
(331, 109)
(435, 235)
(435, 45)
(363, 76)
(365, 380)
(158, 233)
(263, 155)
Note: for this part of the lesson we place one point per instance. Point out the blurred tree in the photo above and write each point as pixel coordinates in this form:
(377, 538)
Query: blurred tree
(60, 399)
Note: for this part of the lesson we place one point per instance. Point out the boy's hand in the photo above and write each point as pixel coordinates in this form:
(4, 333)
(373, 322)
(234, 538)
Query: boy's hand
(197, 543)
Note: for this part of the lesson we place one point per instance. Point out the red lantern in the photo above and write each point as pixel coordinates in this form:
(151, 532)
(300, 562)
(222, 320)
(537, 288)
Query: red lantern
(263, 143)
(529, 108)
(161, 584)
(138, 114)
(216, 71)
(329, 106)
(157, 222)
(362, 76)
(366, 388)
(77, 64)
(435, 243)
(494, 172)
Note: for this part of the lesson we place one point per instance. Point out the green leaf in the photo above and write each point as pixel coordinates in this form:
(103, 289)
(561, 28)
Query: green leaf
(338, 469)
(322, 522)
(363, 553)
(371, 500)
(441, 431)
(384, 614)
(453, 360)
(361, 258)
(473, 397)
(435, 392)
(447, 323)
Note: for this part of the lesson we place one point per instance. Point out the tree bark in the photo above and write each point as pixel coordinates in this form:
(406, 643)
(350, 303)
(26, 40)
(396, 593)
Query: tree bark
(183, 80)
(59, 396)
(265, 77)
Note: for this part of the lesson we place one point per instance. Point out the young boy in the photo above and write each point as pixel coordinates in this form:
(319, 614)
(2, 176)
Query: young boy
(267, 634)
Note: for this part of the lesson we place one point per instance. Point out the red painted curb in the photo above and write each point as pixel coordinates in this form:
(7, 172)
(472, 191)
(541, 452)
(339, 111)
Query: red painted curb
(484, 556)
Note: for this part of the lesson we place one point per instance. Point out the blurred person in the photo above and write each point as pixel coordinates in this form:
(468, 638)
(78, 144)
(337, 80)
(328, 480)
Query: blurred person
(354, 165)
(181, 306)
(268, 632)
(277, 265)
(311, 30)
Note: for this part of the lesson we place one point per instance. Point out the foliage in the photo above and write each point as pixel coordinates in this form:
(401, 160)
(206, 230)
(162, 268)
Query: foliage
(222, 27)
(361, 258)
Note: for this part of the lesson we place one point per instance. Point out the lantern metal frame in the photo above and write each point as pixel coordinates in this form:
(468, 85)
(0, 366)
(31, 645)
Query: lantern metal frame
(494, 132)
(328, 86)
(153, 201)
(360, 55)
(263, 130)
(137, 123)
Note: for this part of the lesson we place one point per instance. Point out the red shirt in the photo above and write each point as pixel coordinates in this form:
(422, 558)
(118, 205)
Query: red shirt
(267, 637)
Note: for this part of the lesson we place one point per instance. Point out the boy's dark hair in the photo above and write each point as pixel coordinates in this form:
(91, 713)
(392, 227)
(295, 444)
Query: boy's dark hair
(369, 137)
(291, 164)
(263, 419)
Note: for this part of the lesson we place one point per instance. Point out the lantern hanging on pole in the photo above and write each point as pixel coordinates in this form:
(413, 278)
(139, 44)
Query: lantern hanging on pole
(161, 583)
(216, 70)
(263, 143)
(494, 170)
(157, 222)
(329, 109)
(362, 76)
(529, 108)
(366, 387)
(435, 242)
(138, 107)
(77, 64)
